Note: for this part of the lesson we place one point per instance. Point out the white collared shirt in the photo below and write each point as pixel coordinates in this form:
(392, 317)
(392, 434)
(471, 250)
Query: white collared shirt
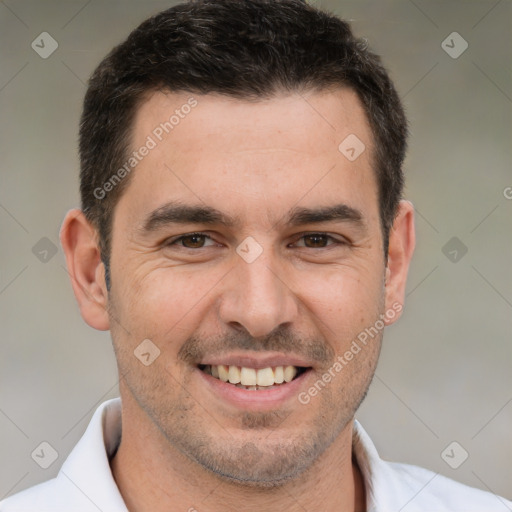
(85, 482)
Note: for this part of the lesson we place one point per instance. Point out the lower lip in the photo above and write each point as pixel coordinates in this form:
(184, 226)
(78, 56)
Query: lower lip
(263, 399)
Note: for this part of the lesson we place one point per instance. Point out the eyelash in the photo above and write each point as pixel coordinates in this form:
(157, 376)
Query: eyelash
(303, 235)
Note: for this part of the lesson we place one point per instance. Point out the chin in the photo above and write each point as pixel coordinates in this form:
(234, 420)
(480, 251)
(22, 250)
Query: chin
(261, 463)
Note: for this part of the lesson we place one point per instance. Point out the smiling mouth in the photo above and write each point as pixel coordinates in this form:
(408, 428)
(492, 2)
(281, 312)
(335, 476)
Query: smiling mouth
(254, 379)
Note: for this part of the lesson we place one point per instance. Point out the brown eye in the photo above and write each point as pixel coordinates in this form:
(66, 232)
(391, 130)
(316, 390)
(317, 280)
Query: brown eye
(316, 240)
(191, 241)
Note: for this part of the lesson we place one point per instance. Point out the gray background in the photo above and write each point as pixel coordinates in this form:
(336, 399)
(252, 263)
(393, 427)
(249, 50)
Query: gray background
(445, 372)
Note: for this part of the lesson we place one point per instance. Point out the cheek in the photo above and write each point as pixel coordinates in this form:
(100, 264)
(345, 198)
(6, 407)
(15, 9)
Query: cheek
(344, 297)
(164, 301)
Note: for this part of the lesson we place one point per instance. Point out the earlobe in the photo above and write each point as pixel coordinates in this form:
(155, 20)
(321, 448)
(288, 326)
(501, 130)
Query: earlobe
(401, 247)
(87, 273)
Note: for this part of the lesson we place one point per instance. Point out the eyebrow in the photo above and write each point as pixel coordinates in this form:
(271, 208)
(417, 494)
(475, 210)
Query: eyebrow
(178, 213)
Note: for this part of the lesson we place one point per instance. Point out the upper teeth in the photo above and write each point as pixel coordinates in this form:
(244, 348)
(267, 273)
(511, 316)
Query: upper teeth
(252, 376)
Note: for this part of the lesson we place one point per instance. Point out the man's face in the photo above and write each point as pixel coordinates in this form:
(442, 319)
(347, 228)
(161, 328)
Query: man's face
(272, 288)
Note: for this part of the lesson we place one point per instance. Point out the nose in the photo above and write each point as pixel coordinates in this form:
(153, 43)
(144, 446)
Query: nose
(258, 297)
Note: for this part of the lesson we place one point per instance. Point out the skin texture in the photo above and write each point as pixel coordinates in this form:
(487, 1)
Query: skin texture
(183, 445)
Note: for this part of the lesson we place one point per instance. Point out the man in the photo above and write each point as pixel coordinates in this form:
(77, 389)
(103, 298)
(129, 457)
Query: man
(241, 230)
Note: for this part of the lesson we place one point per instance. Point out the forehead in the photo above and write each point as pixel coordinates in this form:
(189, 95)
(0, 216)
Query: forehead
(292, 117)
(258, 154)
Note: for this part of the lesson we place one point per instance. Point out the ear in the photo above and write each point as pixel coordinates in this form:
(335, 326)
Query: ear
(80, 243)
(401, 247)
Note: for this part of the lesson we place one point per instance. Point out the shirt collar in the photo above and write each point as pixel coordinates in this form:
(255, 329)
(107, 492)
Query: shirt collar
(373, 470)
(88, 467)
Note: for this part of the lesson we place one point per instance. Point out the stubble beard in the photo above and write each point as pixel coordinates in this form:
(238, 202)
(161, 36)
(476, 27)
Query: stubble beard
(260, 451)
(256, 449)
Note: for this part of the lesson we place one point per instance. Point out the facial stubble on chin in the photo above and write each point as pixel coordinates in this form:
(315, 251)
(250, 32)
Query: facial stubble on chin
(259, 458)
(267, 459)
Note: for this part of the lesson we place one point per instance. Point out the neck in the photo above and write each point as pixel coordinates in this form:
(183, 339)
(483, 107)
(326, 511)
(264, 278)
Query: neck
(152, 475)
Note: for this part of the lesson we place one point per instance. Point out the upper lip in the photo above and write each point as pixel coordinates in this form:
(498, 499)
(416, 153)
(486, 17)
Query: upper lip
(256, 361)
